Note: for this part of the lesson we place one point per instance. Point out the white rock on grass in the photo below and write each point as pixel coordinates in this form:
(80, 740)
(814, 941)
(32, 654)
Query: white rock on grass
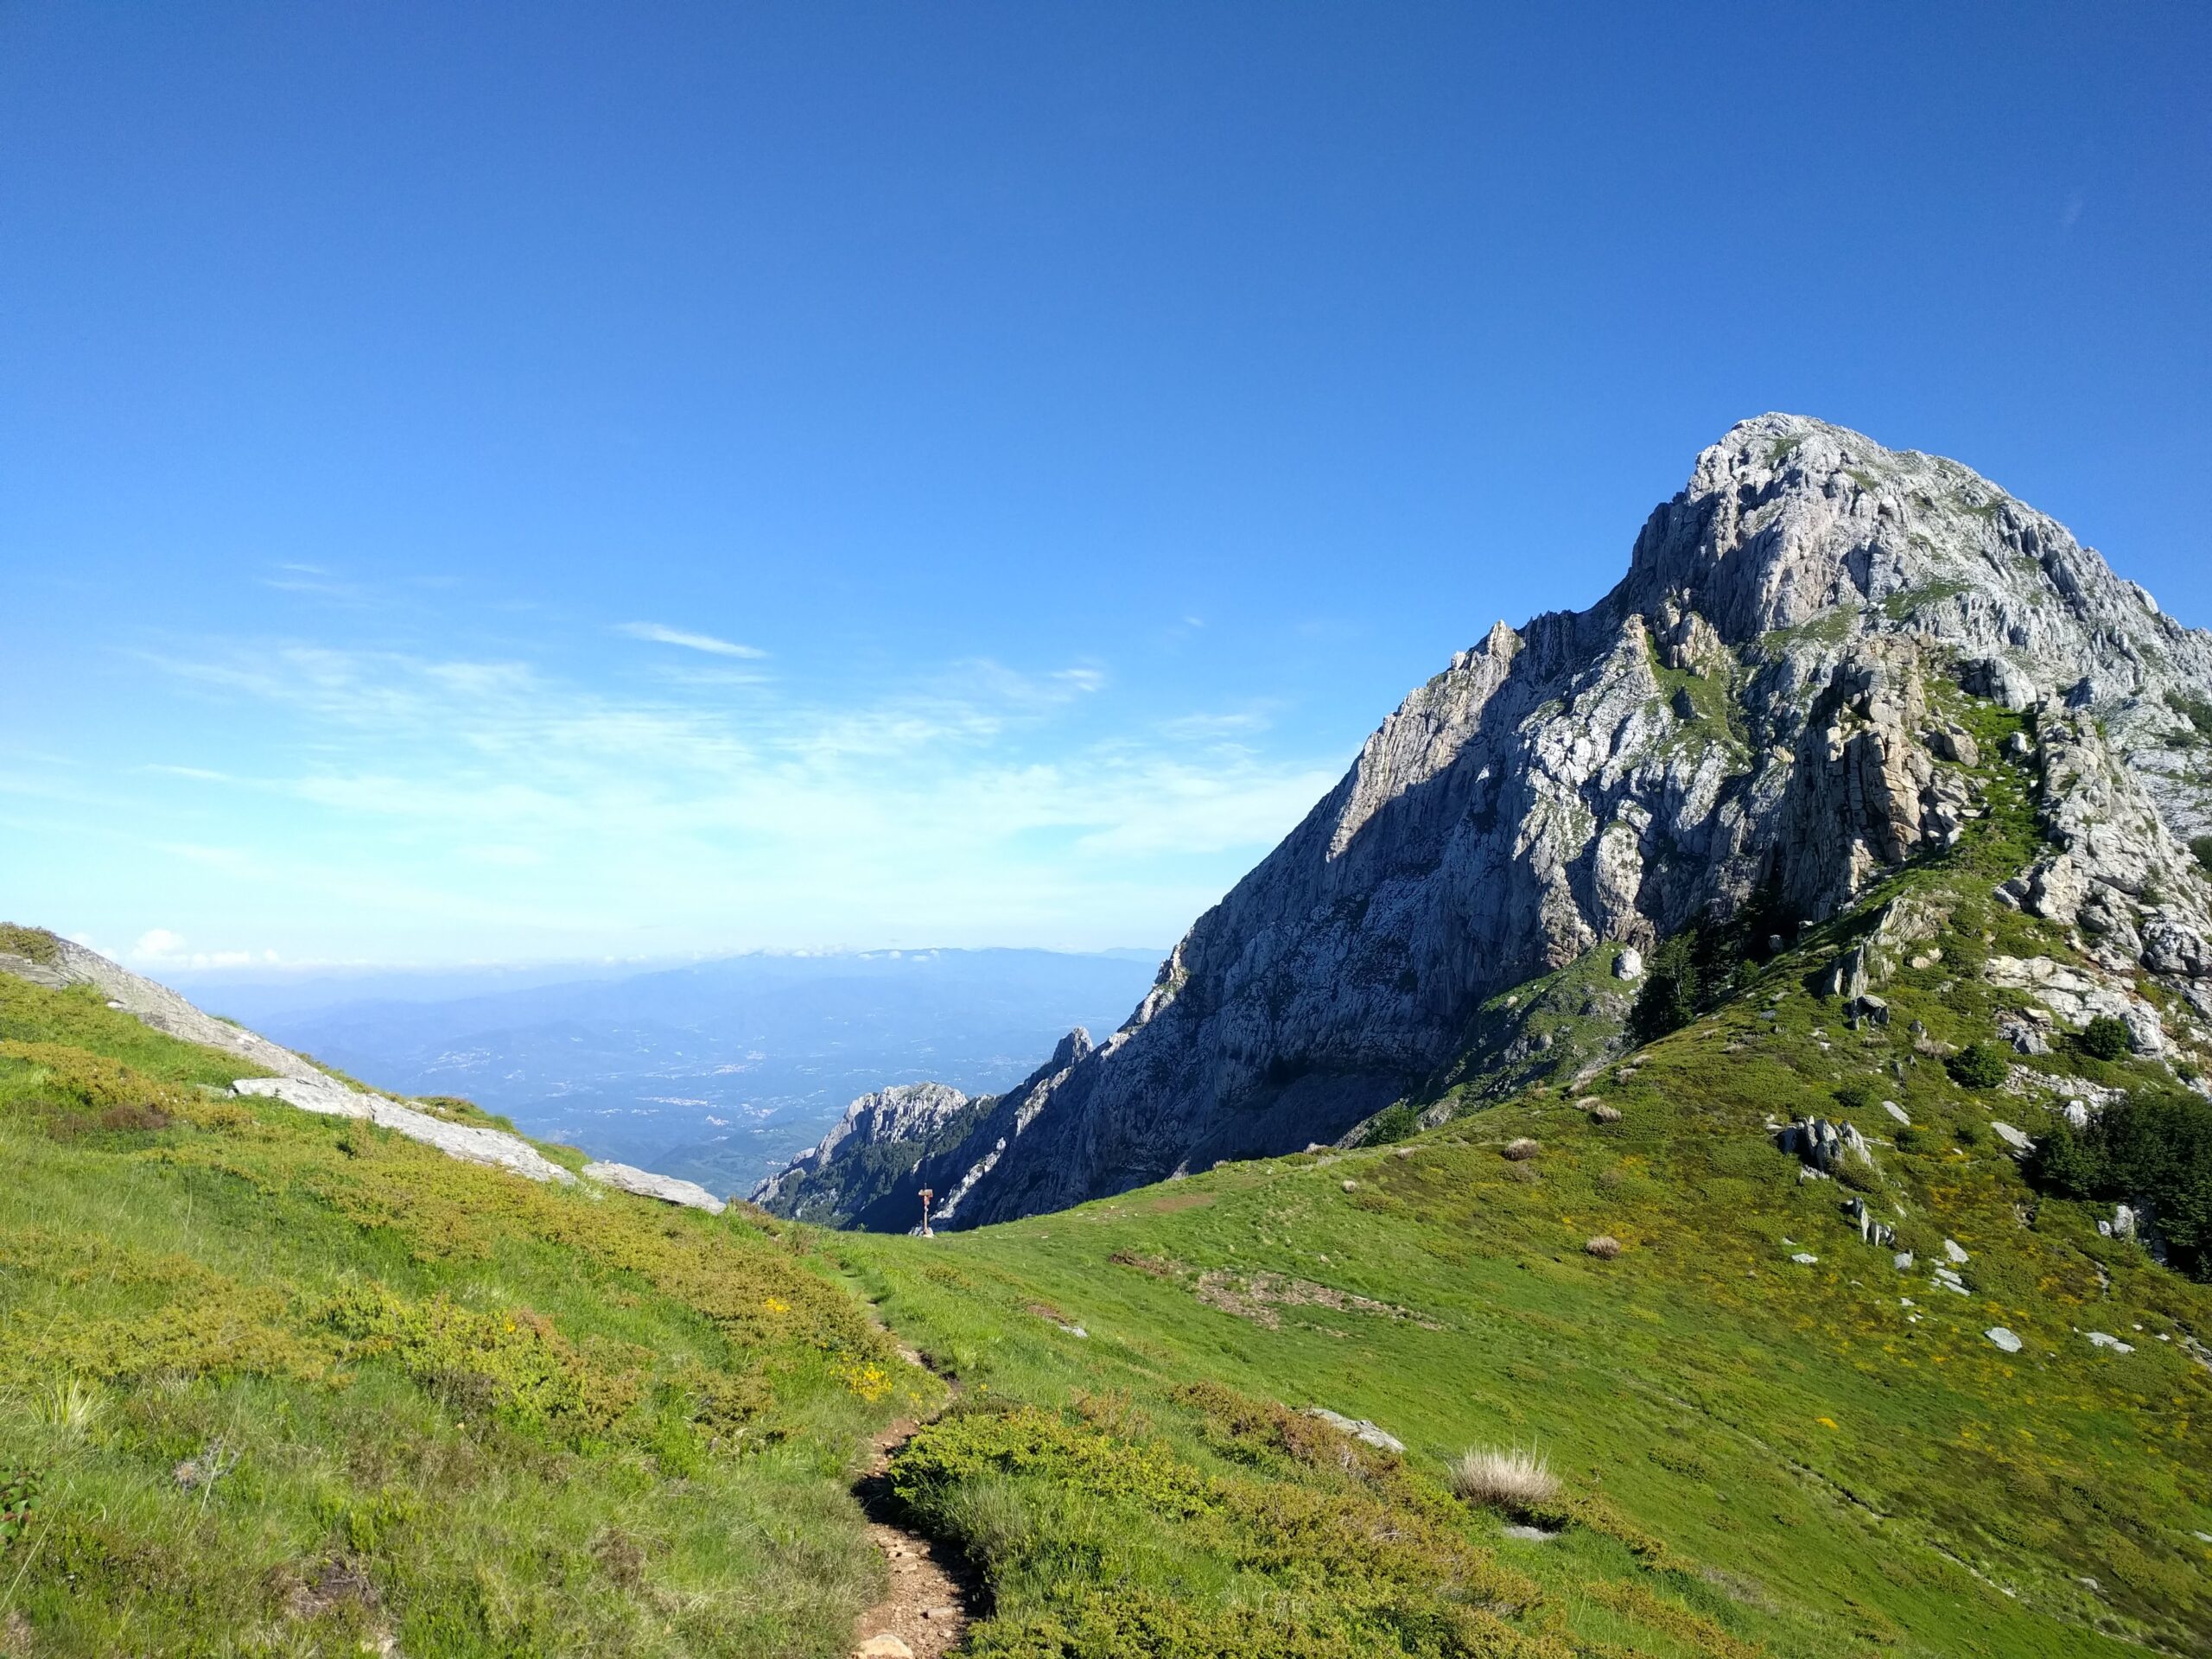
(2106, 1339)
(2003, 1339)
(1953, 1252)
(1358, 1428)
(1804, 1258)
(647, 1184)
(2013, 1137)
(330, 1098)
(1898, 1112)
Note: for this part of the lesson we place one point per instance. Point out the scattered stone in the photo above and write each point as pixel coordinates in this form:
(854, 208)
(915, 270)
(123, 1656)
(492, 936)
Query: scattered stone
(1955, 1254)
(1871, 1231)
(1821, 1145)
(1520, 1151)
(1903, 1260)
(2003, 1339)
(1537, 1535)
(1604, 1246)
(1628, 964)
(1350, 1186)
(2105, 1340)
(1804, 1258)
(2013, 1137)
(1898, 1112)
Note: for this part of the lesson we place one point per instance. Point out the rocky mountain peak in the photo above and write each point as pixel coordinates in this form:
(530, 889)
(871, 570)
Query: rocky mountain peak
(1771, 705)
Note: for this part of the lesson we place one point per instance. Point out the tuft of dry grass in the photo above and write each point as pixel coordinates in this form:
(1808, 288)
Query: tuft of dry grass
(1604, 1246)
(1503, 1478)
(1521, 1150)
(1605, 1112)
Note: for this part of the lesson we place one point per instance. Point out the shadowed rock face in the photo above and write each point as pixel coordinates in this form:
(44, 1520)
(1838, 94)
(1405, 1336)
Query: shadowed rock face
(1750, 708)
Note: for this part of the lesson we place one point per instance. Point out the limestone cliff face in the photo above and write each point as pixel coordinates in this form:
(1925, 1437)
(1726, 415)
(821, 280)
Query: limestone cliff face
(1755, 705)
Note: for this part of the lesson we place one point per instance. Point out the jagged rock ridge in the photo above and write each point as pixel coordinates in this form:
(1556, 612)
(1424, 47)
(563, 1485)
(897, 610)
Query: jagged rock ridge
(1749, 711)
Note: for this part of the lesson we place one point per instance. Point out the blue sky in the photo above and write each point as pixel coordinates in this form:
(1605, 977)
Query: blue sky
(509, 483)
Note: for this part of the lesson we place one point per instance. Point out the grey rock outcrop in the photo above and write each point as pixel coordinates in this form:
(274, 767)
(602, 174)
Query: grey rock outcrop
(469, 1142)
(871, 1148)
(1821, 1145)
(1765, 706)
(1358, 1428)
(628, 1178)
(159, 1006)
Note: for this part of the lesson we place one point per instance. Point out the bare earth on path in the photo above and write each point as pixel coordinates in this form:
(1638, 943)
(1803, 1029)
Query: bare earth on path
(925, 1613)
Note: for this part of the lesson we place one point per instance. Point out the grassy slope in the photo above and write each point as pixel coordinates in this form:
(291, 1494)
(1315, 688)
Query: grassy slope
(1755, 1451)
(1836, 1476)
(446, 1405)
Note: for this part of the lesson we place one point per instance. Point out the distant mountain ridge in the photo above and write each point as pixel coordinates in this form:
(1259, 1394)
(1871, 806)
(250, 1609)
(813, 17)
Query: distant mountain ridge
(714, 1071)
(1748, 716)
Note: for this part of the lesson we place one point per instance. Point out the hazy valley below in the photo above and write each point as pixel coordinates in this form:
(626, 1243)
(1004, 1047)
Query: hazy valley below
(717, 1072)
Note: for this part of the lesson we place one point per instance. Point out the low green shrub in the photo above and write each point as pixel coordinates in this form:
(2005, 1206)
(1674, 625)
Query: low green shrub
(34, 943)
(1978, 1066)
(2105, 1038)
(1393, 1123)
(1858, 1096)
(2151, 1150)
(18, 1497)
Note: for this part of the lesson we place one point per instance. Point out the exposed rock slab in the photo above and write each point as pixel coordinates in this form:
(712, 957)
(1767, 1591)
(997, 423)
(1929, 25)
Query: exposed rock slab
(646, 1184)
(469, 1142)
(157, 1006)
(1358, 1428)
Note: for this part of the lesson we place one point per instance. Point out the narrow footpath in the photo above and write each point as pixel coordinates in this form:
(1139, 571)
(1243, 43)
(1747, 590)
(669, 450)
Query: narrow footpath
(932, 1591)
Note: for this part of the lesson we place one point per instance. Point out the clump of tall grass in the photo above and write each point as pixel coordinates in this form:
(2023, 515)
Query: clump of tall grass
(73, 1407)
(1521, 1150)
(1604, 1246)
(1506, 1478)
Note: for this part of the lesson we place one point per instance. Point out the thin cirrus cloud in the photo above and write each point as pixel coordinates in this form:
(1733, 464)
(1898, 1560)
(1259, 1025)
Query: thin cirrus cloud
(660, 634)
(505, 803)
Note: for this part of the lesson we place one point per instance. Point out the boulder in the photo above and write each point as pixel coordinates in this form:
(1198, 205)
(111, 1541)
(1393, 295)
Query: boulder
(1358, 1428)
(647, 1184)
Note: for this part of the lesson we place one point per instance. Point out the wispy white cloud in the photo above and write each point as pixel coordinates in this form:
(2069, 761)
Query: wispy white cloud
(313, 581)
(969, 801)
(661, 635)
(1240, 723)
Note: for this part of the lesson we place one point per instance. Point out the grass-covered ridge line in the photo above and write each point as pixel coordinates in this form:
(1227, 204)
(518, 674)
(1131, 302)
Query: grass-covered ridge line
(284, 1383)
